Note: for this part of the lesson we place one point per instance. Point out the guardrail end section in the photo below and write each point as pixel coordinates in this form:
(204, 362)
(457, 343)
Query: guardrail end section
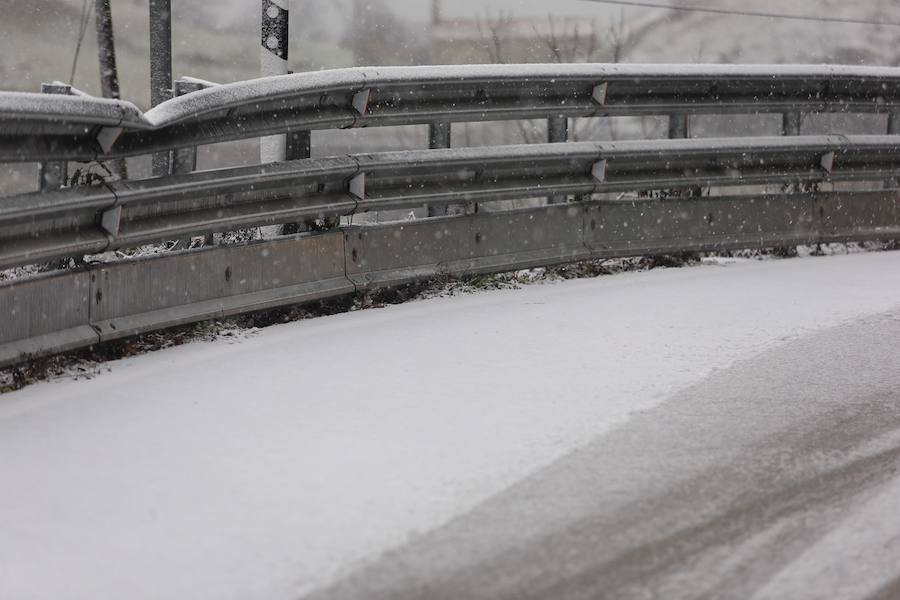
(599, 93)
(108, 137)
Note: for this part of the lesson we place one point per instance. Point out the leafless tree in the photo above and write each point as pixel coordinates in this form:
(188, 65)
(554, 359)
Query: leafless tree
(587, 43)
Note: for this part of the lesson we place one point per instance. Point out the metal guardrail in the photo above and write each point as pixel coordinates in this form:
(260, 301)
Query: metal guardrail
(103, 302)
(100, 302)
(37, 127)
(42, 226)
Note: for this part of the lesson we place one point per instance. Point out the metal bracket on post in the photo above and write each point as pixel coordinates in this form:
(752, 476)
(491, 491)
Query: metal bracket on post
(111, 221)
(599, 93)
(53, 175)
(108, 137)
(357, 186)
(361, 101)
(598, 171)
(827, 162)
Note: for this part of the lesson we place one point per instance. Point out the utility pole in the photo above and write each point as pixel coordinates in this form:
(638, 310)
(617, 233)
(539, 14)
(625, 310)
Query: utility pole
(160, 67)
(109, 73)
(274, 61)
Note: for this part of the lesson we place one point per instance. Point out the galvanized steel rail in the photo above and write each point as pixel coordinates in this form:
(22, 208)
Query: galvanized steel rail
(38, 127)
(48, 225)
(765, 191)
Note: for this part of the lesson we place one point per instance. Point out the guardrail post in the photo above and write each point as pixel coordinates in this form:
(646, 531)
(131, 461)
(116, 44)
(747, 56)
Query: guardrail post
(678, 127)
(439, 137)
(299, 146)
(893, 128)
(184, 160)
(790, 123)
(160, 67)
(557, 133)
(53, 174)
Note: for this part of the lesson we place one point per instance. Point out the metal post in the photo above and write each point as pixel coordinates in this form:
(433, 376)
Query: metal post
(109, 73)
(790, 123)
(893, 123)
(678, 127)
(160, 67)
(53, 174)
(893, 128)
(299, 146)
(184, 160)
(557, 133)
(274, 61)
(439, 137)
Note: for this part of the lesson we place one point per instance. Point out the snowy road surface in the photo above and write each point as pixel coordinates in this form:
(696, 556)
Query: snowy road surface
(776, 479)
(286, 463)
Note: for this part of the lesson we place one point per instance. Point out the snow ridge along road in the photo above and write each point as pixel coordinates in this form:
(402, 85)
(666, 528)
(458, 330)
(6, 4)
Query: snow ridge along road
(270, 467)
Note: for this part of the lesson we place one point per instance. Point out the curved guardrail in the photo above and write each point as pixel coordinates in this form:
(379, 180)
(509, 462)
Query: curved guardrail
(36, 127)
(47, 225)
(824, 188)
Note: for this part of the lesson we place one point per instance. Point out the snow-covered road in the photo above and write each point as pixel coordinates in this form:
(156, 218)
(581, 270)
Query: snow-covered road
(264, 468)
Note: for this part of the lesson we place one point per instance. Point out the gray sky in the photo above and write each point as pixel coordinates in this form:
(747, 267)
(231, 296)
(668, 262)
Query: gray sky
(464, 8)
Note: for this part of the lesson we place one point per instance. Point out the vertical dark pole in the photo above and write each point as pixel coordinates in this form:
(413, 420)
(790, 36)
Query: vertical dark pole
(678, 127)
(53, 174)
(893, 128)
(439, 137)
(299, 146)
(790, 123)
(109, 72)
(557, 133)
(184, 160)
(106, 48)
(160, 67)
(893, 123)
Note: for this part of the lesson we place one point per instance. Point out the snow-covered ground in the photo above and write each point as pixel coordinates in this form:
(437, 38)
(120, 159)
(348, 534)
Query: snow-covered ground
(262, 468)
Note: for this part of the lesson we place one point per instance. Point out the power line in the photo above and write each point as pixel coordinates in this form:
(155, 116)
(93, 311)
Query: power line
(745, 13)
